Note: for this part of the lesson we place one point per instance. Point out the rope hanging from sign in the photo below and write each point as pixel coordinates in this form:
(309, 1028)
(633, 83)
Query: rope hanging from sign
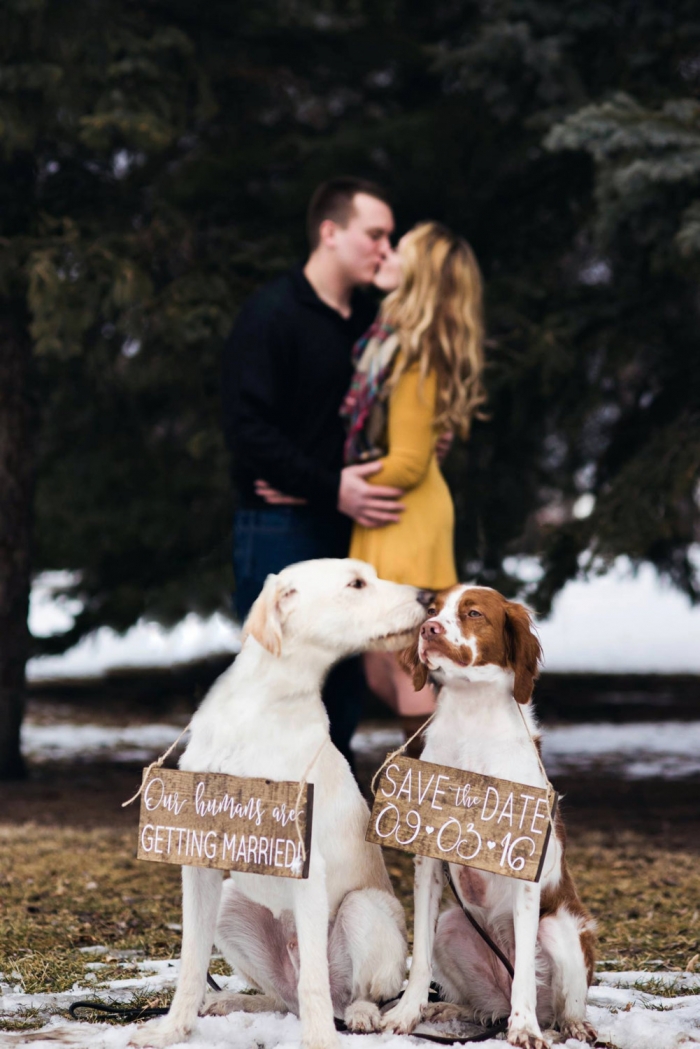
(156, 765)
(390, 757)
(550, 789)
(302, 784)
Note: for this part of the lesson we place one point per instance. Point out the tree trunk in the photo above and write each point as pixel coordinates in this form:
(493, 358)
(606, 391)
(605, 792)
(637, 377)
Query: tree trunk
(17, 461)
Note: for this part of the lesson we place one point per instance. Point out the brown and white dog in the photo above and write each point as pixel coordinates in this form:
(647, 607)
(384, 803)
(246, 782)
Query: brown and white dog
(481, 651)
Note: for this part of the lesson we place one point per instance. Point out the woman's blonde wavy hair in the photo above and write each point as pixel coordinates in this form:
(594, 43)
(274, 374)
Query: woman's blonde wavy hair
(437, 312)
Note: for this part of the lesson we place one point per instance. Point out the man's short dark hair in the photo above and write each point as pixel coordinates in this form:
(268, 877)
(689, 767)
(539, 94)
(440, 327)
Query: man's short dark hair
(333, 200)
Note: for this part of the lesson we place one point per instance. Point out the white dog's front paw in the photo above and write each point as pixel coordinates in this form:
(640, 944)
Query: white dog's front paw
(363, 1017)
(320, 1038)
(526, 1036)
(401, 1019)
(157, 1034)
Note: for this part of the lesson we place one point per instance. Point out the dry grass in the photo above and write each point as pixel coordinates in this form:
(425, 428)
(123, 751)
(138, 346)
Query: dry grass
(69, 880)
(65, 888)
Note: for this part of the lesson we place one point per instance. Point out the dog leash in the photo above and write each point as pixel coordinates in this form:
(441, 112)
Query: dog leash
(472, 920)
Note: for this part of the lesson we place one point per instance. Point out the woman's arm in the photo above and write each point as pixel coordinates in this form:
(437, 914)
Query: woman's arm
(411, 435)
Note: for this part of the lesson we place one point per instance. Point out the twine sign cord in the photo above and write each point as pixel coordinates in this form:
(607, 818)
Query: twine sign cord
(298, 863)
(400, 750)
(550, 789)
(156, 765)
(304, 779)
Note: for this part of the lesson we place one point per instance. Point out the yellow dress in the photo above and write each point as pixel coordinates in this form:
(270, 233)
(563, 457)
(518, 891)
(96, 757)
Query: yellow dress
(419, 549)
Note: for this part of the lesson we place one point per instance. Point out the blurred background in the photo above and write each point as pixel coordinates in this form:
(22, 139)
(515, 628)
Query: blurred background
(156, 159)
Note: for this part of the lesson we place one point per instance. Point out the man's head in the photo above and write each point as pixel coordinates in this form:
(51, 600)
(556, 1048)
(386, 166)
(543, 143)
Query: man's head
(350, 221)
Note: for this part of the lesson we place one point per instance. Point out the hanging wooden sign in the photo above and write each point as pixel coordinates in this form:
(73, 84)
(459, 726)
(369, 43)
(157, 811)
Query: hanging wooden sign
(207, 819)
(478, 821)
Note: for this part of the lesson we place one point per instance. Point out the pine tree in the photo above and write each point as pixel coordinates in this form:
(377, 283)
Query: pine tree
(156, 164)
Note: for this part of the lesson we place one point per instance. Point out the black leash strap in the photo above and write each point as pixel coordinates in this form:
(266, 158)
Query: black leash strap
(124, 1012)
(129, 1014)
(482, 932)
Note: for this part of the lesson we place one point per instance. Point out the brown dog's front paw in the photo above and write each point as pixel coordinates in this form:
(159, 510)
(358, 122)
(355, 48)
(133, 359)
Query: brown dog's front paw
(578, 1029)
(400, 1020)
(445, 1012)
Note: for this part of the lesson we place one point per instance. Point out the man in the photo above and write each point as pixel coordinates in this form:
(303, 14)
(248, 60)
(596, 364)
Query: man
(287, 369)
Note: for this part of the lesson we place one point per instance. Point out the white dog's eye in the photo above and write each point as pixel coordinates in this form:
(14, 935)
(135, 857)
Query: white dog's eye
(357, 584)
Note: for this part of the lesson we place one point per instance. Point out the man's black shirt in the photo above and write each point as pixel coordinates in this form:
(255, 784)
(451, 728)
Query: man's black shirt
(286, 371)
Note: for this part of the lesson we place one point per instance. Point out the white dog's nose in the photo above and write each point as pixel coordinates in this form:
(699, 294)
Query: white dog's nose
(425, 598)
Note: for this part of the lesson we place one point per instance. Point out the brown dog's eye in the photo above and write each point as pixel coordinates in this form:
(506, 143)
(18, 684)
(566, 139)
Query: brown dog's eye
(432, 611)
(473, 613)
(357, 584)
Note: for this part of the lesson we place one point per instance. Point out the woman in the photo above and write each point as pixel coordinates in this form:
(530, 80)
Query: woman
(418, 376)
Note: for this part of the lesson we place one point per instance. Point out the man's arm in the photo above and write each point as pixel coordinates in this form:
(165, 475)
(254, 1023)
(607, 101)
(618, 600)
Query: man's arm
(253, 396)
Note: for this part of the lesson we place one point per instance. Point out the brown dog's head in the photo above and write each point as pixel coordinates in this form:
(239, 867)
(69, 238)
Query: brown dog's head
(475, 633)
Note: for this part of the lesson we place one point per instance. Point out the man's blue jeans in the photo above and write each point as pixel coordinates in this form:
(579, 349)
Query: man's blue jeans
(266, 541)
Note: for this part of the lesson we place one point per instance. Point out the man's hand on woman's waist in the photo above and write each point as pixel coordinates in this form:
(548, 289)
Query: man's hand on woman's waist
(371, 505)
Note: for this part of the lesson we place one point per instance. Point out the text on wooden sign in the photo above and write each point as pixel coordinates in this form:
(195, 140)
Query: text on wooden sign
(478, 821)
(208, 819)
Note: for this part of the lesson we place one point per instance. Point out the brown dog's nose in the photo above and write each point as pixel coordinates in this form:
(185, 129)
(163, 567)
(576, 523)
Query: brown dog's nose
(432, 628)
(425, 598)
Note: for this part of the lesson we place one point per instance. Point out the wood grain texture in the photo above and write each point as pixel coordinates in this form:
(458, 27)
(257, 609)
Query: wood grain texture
(207, 819)
(478, 821)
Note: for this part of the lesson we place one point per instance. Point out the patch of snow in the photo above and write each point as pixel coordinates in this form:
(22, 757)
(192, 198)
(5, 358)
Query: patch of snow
(145, 645)
(50, 613)
(371, 737)
(668, 749)
(69, 742)
(624, 1015)
(622, 622)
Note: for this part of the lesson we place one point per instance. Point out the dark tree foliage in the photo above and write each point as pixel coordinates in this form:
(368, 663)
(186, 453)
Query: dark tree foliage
(156, 162)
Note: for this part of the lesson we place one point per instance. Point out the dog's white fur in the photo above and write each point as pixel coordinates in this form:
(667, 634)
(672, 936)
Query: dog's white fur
(335, 941)
(478, 727)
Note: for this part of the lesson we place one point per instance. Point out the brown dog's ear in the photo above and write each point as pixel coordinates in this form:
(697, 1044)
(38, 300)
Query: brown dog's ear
(523, 650)
(408, 659)
(264, 622)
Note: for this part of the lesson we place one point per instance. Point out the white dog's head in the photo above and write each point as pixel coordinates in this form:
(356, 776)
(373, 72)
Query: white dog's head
(338, 605)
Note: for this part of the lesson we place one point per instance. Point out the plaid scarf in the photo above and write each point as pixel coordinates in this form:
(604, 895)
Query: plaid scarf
(365, 406)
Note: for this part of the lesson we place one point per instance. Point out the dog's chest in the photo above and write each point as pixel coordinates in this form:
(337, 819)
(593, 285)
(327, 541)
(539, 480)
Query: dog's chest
(482, 740)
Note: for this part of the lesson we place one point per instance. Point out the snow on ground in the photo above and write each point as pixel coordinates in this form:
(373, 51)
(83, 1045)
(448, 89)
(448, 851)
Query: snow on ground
(668, 749)
(70, 742)
(624, 1007)
(620, 622)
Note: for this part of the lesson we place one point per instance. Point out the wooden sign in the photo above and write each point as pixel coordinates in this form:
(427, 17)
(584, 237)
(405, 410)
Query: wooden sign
(478, 821)
(207, 819)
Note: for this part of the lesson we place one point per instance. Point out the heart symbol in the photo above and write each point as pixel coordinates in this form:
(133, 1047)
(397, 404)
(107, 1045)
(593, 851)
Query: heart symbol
(491, 844)
(429, 830)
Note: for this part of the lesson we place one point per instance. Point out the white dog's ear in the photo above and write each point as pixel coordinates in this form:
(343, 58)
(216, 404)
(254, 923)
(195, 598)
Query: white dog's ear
(266, 617)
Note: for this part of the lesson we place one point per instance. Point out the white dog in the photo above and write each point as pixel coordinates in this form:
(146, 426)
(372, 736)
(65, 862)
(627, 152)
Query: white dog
(334, 942)
(481, 650)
